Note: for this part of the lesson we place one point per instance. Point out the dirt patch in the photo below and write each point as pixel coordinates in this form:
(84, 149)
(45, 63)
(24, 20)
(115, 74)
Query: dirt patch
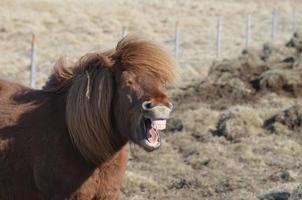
(253, 74)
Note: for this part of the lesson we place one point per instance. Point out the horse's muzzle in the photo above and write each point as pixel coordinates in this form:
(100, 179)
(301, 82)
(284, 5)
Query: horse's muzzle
(157, 111)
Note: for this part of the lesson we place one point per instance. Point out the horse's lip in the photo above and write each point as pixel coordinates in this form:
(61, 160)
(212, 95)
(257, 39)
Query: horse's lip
(147, 147)
(143, 141)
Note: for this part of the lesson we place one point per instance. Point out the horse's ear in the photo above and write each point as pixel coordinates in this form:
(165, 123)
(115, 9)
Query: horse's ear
(88, 110)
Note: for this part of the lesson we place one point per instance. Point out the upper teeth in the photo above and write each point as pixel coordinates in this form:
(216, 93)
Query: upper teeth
(158, 124)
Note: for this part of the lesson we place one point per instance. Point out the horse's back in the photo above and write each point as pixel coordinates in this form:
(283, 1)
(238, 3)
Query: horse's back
(10, 134)
(9, 109)
(8, 88)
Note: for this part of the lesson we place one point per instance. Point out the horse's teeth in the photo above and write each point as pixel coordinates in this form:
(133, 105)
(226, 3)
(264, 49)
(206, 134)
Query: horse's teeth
(158, 124)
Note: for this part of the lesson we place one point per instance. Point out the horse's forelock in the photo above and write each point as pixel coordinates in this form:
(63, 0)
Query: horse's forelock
(143, 57)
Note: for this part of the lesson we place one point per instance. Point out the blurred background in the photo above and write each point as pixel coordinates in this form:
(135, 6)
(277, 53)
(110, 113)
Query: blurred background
(73, 28)
(236, 132)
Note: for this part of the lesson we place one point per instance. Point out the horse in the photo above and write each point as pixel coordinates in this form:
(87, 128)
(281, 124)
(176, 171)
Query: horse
(68, 140)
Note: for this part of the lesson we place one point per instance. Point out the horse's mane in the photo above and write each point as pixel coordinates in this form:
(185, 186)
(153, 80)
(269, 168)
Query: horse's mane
(89, 85)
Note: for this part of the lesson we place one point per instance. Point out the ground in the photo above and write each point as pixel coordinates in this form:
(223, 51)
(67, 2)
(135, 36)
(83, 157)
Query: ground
(228, 140)
(236, 129)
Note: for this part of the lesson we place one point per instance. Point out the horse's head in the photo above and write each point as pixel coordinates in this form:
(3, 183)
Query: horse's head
(141, 106)
(116, 96)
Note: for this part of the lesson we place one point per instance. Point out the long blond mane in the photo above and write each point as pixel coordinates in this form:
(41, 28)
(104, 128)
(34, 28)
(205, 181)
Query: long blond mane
(90, 88)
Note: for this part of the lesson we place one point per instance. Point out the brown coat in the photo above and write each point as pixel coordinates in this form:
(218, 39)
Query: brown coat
(37, 158)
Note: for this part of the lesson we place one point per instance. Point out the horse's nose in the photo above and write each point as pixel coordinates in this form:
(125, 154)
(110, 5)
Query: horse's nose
(148, 105)
(157, 110)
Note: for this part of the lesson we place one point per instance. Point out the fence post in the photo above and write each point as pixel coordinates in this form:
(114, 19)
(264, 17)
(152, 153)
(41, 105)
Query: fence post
(33, 62)
(176, 44)
(274, 24)
(218, 37)
(124, 32)
(294, 22)
(248, 31)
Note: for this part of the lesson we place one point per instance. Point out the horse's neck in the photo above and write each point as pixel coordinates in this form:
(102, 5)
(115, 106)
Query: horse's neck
(106, 178)
(119, 157)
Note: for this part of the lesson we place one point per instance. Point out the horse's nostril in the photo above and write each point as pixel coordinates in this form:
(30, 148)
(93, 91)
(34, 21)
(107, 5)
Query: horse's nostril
(147, 105)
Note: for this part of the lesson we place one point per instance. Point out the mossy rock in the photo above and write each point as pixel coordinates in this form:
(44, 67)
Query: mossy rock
(285, 121)
(281, 81)
(275, 196)
(237, 123)
(174, 125)
(296, 41)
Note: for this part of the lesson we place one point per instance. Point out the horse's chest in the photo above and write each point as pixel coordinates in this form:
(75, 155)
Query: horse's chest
(74, 180)
(102, 184)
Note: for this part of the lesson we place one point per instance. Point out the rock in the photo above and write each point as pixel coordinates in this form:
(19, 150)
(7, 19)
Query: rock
(275, 196)
(281, 81)
(174, 125)
(237, 123)
(290, 118)
(296, 42)
(282, 176)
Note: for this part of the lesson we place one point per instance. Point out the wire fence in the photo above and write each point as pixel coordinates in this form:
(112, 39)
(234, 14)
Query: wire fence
(280, 27)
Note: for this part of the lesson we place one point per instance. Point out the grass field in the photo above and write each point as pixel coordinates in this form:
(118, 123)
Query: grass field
(215, 148)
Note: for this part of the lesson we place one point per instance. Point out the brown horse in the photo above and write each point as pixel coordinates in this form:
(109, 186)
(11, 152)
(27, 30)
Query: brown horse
(67, 141)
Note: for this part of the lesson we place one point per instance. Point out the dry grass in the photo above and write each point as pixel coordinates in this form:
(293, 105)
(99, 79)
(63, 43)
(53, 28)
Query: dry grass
(73, 28)
(245, 160)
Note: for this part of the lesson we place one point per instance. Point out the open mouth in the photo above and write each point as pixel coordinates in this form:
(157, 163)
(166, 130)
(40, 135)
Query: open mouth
(151, 133)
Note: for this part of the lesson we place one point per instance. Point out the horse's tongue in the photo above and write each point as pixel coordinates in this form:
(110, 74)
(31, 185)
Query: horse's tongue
(152, 136)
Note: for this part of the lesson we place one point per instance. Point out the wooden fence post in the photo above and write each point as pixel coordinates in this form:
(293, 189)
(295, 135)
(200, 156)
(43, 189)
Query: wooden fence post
(274, 24)
(294, 22)
(218, 37)
(248, 31)
(124, 32)
(33, 62)
(176, 42)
